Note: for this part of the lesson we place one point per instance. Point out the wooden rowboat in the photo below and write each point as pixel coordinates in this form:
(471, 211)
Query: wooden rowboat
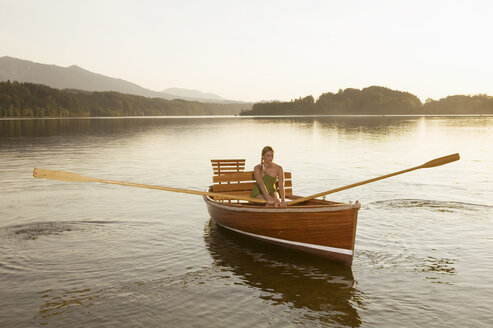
(319, 227)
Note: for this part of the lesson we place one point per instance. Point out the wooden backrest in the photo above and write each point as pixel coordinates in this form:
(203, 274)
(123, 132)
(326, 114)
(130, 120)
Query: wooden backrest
(223, 166)
(241, 183)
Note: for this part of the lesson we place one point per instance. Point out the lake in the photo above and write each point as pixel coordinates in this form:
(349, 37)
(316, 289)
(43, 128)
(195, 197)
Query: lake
(94, 255)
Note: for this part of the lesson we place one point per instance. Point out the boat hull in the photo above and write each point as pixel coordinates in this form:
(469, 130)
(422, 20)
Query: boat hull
(324, 230)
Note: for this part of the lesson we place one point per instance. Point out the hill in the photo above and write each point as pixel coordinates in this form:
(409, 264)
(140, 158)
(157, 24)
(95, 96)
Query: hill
(193, 94)
(37, 100)
(75, 77)
(368, 101)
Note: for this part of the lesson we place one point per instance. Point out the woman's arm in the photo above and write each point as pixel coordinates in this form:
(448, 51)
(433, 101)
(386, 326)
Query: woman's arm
(281, 186)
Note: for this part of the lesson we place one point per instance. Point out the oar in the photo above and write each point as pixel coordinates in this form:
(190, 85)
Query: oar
(432, 163)
(74, 177)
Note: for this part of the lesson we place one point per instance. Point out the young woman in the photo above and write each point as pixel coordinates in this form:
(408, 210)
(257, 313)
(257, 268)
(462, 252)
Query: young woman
(267, 173)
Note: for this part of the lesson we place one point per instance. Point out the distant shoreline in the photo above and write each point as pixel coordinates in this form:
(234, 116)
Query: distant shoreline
(231, 116)
(375, 100)
(30, 100)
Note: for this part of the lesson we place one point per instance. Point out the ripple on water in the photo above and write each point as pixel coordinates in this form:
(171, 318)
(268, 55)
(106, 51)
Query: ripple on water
(133, 303)
(74, 266)
(68, 253)
(243, 278)
(432, 205)
(437, 269)
(35, 230)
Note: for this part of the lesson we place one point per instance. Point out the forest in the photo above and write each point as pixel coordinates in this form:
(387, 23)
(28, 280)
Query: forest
(478, 104)
(37, 100)
(374, 100)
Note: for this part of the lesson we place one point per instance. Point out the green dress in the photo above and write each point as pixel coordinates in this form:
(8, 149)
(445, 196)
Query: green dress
(270, 185)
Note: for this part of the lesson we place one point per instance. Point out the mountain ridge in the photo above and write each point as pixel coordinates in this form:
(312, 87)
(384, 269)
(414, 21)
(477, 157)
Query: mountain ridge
(192, 93)
(27, 99)
(76, 77)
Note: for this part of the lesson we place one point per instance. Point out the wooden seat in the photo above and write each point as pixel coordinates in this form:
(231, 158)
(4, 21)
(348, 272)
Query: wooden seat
(230, 178)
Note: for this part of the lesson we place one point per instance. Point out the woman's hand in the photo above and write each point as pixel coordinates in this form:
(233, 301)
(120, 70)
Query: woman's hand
(270, 201)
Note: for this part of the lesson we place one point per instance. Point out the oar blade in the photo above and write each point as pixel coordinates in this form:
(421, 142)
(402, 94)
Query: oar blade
(441, 161)
(61, 176)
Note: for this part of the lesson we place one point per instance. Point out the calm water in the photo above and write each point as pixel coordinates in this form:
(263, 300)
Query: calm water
(75, 254)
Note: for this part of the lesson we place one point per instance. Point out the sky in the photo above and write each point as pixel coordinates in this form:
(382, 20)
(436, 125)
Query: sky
(262, 50)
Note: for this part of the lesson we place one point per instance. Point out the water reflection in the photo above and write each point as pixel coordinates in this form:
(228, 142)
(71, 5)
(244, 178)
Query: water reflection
(373, 124)
(326, 289)
(347, 124)
(95, 126)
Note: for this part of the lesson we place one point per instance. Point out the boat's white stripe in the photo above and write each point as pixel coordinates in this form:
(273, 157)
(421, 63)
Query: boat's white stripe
(284, 241)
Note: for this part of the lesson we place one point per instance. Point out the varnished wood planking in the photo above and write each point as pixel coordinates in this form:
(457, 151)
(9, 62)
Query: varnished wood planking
(239, 186)
(354, 229)
(227, 161)
(241, 176)
(335, 229)
(226, 166)
(245, 193)
(241, 183)
(331, 228)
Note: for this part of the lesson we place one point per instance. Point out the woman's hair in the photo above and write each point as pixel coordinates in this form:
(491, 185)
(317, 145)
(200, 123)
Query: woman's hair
(264, 151)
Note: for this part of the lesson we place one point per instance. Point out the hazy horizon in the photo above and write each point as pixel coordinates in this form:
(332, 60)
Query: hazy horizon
(254, 51)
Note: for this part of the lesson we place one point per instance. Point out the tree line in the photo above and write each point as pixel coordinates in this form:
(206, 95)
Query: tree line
(37, 100)
(374, 100)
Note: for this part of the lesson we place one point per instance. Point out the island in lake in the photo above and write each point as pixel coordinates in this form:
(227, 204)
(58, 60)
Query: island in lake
(375, 100)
